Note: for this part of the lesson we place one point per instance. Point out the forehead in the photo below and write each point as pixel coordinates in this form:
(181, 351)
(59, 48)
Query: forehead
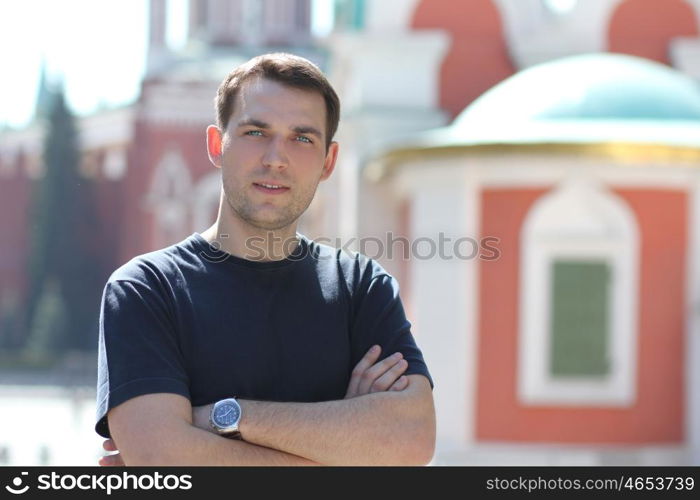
(266, 99)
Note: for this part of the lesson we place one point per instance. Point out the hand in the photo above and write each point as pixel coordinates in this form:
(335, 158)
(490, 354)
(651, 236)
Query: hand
(369, 376)
(113, 460)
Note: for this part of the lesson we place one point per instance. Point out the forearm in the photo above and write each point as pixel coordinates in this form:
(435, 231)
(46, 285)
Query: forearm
(384, 428)
(189, 445)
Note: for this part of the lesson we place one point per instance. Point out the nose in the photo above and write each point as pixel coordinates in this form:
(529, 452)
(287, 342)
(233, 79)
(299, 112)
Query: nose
(275, 155)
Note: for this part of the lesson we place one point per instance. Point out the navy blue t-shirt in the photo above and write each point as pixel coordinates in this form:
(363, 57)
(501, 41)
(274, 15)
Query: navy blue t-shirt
(196, 321)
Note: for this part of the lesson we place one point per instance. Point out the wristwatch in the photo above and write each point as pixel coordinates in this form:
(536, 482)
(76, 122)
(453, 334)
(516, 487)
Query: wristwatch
(225, 417)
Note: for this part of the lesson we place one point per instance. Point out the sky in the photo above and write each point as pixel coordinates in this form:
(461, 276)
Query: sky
(96, 47)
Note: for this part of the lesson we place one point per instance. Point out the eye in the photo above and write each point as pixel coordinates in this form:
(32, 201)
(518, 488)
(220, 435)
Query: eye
(303, 138)
(256, 133)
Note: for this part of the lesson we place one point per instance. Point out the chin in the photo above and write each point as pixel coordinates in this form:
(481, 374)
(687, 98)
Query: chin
(272, 224)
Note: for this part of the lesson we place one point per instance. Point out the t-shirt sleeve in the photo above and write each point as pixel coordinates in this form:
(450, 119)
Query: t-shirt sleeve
(380, 319)
(138, 351)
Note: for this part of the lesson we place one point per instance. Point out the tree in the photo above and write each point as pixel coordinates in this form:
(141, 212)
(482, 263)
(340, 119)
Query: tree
(60, 258)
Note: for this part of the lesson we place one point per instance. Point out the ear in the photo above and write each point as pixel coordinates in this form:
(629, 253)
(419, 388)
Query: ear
(214, 145)
(329, 162)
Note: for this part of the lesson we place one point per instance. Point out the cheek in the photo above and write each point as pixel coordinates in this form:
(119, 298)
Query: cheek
(240, 164)
(311, 159)
(241, 150)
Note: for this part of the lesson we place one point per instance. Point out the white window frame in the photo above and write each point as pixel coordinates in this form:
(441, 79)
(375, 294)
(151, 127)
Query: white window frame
(579, 221)
(205, 200)
(170, 209)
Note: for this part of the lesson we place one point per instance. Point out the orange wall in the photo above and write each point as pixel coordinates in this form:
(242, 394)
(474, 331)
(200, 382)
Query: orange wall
(478, 56)
(657, 414)
(645, 28)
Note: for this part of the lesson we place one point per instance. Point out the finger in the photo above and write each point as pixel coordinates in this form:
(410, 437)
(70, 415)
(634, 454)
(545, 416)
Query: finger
(377, 370)
(109, 445)
(112, 460)
(367, 361)
(390, 376)
(400, 384)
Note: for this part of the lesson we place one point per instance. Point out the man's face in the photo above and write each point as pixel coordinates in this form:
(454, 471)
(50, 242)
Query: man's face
(273, 153)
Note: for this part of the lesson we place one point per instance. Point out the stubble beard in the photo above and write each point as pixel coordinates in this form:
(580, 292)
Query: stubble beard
(241, 205)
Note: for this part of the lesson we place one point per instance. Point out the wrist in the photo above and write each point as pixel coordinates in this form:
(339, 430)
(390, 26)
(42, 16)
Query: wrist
(200, 417)
(243, 424)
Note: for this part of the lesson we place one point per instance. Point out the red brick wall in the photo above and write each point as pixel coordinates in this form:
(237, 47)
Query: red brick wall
(645, 28)
(478, 56)
(657, 414)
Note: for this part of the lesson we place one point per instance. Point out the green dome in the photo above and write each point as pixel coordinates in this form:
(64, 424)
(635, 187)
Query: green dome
(588, 87)
(612, 102)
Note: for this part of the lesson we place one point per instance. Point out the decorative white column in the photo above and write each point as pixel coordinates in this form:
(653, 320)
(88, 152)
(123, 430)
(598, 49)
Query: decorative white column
(444, 293)
(692, 360)
(383, 98)
(158, 52)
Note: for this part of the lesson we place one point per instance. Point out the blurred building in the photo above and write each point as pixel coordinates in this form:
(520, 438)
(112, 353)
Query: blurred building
(148, 162)
(577, 341)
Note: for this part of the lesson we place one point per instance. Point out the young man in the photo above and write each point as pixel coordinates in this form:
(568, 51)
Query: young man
(300, 352)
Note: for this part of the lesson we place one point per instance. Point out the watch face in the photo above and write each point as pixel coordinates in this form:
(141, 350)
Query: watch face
(226, 414)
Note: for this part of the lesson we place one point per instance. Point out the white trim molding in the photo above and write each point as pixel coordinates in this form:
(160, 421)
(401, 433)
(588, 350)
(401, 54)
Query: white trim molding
(444, 293)
(206, 196)
(581, 221)
(168, 197)
(692, 356)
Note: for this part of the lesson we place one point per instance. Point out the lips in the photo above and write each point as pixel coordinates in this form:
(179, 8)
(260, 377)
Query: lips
(270, 187)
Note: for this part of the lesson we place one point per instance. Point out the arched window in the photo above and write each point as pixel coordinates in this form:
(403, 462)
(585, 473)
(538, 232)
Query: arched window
(205, 201)
(578, 299)
(169, 199)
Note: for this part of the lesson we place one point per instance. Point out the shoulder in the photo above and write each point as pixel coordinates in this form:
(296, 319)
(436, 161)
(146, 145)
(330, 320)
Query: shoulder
(145, 287)
(357, 270)
(152, 267)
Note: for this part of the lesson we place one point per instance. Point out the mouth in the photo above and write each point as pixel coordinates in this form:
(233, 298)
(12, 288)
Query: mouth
(270, 187)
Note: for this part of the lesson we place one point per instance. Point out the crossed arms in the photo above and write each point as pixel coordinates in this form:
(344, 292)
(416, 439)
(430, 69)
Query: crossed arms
(385, 419)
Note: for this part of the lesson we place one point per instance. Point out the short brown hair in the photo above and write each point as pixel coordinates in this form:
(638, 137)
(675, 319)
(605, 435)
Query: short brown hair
(287, 69)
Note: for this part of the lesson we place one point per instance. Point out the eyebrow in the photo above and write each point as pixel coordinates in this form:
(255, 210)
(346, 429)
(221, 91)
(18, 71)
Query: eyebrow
(305, 129)
(299, 129)
(253, 122)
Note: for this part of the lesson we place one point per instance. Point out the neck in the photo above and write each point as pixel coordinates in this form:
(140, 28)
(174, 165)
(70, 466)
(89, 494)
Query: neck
(252, 243)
